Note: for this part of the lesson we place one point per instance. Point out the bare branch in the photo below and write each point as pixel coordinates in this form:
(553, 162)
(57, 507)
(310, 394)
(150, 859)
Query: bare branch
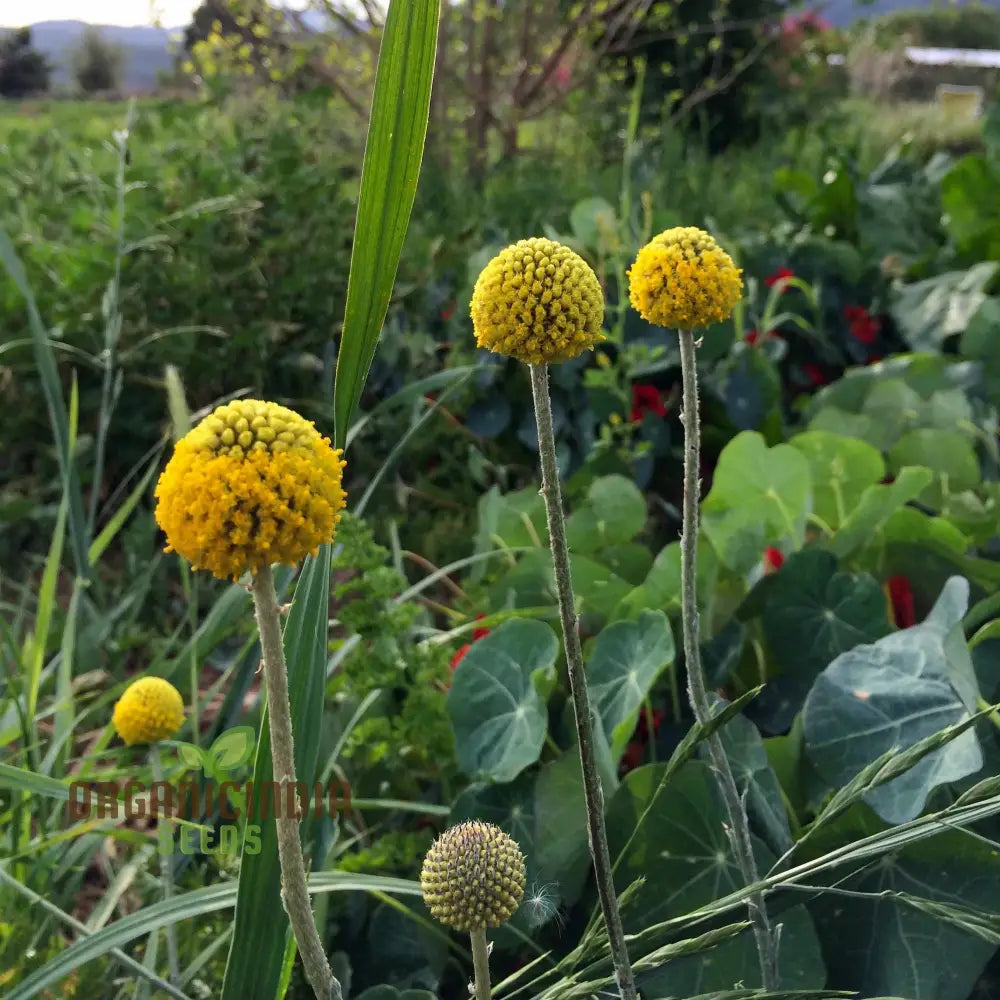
(702, 94)
(523, 97)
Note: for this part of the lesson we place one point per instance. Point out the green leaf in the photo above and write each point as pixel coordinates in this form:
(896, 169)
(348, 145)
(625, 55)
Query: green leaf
(891, 694)
(968, 197)
(190, 755)
(384, 992)
(498, 715)
(560, 837)
(615, 512)
(631, 561)
(755, 779)
(979, 337)
(513, 520)
(393, 152)
(749, 387)
(232, 748)
(884, 945)
(683, 853)
(876, 506)
(257, 951)
(929, 312)
(948, 454)
(661, 590)
(814, 613)
(592, 218)
(531, 583)
(759, 495)
(909, 525)
(408, 950)
(626, 659)
(841, 468)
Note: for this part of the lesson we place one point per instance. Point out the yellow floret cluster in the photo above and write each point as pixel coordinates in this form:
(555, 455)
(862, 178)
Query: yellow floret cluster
(473, 877)
(253, 484)
(539, 302)
(683, 278)
(151, 709)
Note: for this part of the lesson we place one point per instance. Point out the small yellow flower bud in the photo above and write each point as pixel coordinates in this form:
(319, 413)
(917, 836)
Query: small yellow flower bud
(151, 709)
(473, 877)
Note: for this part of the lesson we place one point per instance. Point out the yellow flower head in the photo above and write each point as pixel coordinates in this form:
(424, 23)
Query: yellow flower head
(473, 877)
(151, 709)
(253, 484)
(539, 302)
(683, 278)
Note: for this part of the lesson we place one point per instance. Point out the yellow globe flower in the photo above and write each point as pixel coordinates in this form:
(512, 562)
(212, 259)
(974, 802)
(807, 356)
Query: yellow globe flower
(683, 278)
(253, 484)
(539, 302)
(473, 877)
(151, 709)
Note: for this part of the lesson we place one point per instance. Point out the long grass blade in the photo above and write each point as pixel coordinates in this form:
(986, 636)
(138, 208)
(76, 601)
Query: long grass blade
(393, 151)
(187, 906)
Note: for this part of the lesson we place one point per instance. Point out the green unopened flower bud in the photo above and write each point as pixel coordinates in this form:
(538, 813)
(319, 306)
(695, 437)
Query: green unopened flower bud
(473, 877)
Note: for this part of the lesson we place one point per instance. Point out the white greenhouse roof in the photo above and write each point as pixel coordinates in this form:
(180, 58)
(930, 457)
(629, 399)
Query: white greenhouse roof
(953, 57)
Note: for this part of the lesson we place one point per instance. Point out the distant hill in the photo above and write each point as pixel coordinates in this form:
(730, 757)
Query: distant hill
(147, 49)
(842, 13)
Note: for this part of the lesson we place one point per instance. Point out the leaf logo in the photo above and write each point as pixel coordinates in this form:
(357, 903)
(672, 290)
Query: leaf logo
(231, 749)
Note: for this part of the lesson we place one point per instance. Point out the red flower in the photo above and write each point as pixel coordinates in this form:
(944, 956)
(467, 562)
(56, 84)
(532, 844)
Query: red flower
(753, 338)
(632, 757)
(864, 327)
(643, 727)
(815, 374)
(780, 278)
(774, 559)
(448, 311)
(646, 399)
(479, 633)
(901, 601)
(457, 658)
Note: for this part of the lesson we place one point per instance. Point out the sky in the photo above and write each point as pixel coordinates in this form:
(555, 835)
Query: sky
(171, 13)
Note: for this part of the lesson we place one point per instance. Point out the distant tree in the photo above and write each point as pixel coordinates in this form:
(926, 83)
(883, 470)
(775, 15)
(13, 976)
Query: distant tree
(23, 70)
(97, 63)
(706, 63)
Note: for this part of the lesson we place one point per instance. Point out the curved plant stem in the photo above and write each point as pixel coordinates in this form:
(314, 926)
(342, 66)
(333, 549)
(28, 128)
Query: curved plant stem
(294, 891)
(593, 792)
(739, 826)
(481, 963)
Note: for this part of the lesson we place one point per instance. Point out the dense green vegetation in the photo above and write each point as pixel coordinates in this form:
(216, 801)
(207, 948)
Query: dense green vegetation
(170, 255)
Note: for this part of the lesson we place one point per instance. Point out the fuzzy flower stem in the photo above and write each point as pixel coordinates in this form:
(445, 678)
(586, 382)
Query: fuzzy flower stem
(739, 826)
(294, 891)
(481, 963)
(593, 792)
